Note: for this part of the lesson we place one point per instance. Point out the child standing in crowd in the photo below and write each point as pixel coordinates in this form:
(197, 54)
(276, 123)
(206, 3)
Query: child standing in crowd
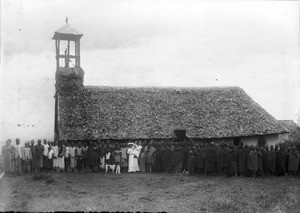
(118, 158)
(108, 158)
(73, 156)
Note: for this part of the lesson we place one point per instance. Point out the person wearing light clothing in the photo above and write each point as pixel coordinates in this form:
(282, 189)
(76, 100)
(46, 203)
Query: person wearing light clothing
(55, 156)
(17, 157)
(133, 152)
(26, 157)
(50, 158)
(73, 156)
(45, 155)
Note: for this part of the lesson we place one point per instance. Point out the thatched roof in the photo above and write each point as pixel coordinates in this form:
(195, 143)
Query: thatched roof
(289, 124)
(137, 113)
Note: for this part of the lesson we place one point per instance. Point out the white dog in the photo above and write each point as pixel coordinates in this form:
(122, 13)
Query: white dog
(111, 167)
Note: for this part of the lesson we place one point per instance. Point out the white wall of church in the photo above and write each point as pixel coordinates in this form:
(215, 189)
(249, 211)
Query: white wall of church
(272, 139)
(252, 140)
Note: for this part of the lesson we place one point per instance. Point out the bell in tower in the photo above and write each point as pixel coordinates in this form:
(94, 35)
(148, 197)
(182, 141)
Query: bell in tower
(69, 75)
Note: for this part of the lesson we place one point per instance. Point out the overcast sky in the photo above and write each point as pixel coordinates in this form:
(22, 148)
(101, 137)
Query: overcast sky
(251, 44)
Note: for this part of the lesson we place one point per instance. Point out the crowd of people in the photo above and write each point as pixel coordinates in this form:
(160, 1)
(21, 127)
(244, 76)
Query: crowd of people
(186, 157)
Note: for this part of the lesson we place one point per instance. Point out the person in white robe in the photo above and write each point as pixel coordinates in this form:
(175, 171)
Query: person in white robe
(55, 156)
(61, 157)
(133, 152)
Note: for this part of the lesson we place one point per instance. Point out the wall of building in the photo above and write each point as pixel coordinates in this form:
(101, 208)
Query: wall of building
(253, 140)
(272, 139)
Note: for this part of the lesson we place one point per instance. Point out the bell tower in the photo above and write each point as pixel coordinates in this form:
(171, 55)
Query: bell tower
(67, 46)
(69, 75)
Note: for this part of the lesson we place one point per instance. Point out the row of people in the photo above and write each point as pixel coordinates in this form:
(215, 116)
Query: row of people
(188, 156)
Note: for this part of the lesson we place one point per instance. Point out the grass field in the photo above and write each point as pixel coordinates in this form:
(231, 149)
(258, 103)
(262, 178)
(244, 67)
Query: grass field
(148, 192)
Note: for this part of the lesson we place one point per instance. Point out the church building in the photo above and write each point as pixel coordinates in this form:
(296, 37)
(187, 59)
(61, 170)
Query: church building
(90, 113)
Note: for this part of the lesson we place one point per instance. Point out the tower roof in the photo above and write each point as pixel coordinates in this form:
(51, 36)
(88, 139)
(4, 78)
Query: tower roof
(67, 32)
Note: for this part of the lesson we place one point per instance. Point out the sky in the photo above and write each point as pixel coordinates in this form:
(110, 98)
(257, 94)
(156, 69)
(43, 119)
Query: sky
(250, 44)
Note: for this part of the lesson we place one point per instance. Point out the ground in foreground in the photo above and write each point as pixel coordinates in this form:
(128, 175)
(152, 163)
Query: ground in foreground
(148, 192)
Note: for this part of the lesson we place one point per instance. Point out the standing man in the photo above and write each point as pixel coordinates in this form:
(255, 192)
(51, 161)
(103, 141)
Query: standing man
(39, 155)
(26, 156)
(17, 157)
(72, 156)
(79, 149)
(265, 156)
(55, 155)
(223, 159)
(282, 153)
(124, 162)
(293, 161)
(67, 156)
(85, 152)
(33, 153)
(7, 156)
(242, 160)
(253, 161)
(45, 155)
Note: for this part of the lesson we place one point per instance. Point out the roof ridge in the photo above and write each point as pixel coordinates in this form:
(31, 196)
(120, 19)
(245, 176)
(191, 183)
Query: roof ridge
(160, 87)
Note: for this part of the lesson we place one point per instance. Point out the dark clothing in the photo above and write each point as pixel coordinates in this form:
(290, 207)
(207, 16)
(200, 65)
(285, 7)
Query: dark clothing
(282, 161)
(260, 168)
(167, 160)
(178, 159)
(159, 166)
(191, 164)
(293, 160)
(241, 160)
(200, 159)
(102, 152)
(232, 161)
(265, 156)
(272, 161)
(94, 158)
(223, 158)
(34, 157)
(39, 150)
(211, 160)
(185, 158)
(252, 160)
